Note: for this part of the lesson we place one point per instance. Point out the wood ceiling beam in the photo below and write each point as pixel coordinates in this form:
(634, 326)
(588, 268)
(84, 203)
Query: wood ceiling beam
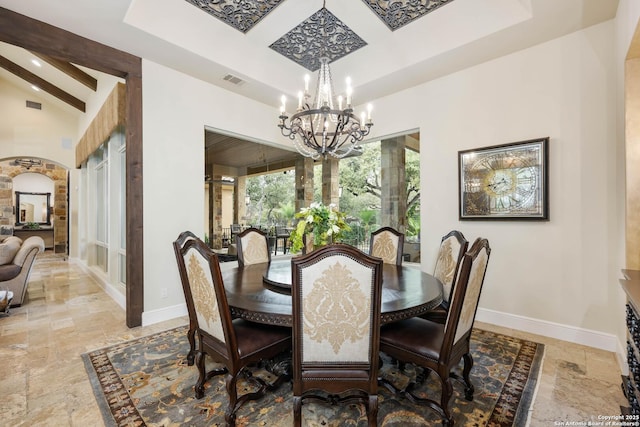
(41, 37)
(28, 76)
(71, 70)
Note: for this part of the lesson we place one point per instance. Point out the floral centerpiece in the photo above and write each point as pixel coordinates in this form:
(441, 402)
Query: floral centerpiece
(325, 223)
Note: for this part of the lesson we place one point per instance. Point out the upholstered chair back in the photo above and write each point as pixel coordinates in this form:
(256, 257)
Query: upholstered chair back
(207, 297)
(253, 247)
(178, 247)
(466, 295)
(334, 299)
(388, 244)
(452, 248)
(336, 294)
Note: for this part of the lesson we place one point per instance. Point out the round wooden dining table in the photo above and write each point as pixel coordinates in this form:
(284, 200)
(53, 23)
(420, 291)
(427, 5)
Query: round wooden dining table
(262, 292)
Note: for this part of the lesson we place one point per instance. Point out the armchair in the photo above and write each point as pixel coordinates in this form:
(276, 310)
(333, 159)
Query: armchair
(17, 258)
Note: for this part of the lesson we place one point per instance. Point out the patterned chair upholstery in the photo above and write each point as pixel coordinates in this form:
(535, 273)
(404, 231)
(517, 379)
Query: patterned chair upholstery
(439, 347)
(387, 243)
(178, 246)
(253, 247)
(236, 343)
(452, 248)
(336, 293)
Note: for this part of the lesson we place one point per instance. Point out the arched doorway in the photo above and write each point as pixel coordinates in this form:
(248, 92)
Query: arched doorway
(12, 167)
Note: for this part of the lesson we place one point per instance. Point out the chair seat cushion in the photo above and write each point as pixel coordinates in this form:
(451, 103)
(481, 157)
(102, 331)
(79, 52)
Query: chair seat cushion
(418, 336)
(254, 337)
(9, 271)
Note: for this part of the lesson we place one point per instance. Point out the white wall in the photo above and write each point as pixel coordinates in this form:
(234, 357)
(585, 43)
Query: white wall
(26, 132)
(176, 110)
(562, 271)
(626, 23)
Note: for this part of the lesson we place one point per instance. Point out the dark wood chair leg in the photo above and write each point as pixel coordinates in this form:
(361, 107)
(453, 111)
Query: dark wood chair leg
(372, 411)
(232, 391)
(447, 392)
(468, 364)
(297, 411)
(191, 336)
(199, 387)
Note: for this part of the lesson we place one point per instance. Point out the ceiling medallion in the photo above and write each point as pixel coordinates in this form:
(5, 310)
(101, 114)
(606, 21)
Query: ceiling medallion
(326, 125)
(397, 13)
(304, 45)
(240, 14)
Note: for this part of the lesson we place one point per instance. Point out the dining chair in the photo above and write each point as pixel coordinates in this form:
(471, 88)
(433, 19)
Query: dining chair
(281, 235)
(452, 248)
(253, 247)
(178, 246)
(336, 293)
(236, 344)
(387, 243)
(440, 347)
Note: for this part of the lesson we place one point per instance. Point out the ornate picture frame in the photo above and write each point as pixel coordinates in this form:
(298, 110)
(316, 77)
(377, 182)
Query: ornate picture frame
(505, 182)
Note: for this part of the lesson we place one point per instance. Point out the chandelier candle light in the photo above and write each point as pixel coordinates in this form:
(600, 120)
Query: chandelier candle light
(318, 128)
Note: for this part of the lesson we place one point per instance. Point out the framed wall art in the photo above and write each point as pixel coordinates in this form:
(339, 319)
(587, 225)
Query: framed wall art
(505, 182)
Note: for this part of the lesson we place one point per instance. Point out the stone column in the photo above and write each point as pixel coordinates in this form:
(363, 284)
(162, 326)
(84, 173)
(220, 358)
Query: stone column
(304, 182)
(393, 212)
(330, 181)
(215, 191)
(239, 200)
(6, 201)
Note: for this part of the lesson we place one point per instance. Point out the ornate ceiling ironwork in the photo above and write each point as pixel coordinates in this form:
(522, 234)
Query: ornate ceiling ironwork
(322, 34)
(240, 14)
(397, 13)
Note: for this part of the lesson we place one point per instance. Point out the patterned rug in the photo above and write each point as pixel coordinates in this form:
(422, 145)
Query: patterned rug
(147, 382)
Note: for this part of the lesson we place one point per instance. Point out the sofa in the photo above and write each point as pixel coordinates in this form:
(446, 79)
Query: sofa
(16, 261)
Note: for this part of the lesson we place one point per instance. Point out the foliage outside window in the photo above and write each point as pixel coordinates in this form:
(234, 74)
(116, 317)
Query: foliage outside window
(272, 196)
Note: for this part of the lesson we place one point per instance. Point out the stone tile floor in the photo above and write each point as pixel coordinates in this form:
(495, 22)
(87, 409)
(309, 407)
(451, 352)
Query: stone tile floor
(43, 380)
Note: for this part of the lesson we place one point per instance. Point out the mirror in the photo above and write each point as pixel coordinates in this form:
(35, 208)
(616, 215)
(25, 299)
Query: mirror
(33, 207)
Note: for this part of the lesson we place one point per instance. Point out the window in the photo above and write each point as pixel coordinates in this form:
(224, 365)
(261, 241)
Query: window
(103, 211)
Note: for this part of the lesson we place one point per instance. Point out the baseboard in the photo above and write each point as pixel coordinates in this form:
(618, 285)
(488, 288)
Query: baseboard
(590, 338)
(149, 317)
(102, 281)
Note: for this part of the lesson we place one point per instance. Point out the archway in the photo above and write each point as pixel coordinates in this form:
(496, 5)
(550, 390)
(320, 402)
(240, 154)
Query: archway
(60, 177)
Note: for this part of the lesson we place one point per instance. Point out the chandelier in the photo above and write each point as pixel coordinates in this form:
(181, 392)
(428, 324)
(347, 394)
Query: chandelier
(27, 163)
(325, 125)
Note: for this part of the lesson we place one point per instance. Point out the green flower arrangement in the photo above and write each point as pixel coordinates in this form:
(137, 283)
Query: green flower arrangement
(325, 223)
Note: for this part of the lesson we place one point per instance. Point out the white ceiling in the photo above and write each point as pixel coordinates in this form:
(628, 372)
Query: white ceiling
(179, 35)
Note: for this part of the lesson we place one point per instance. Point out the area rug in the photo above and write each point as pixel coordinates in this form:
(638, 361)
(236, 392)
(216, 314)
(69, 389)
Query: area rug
(147, 382)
